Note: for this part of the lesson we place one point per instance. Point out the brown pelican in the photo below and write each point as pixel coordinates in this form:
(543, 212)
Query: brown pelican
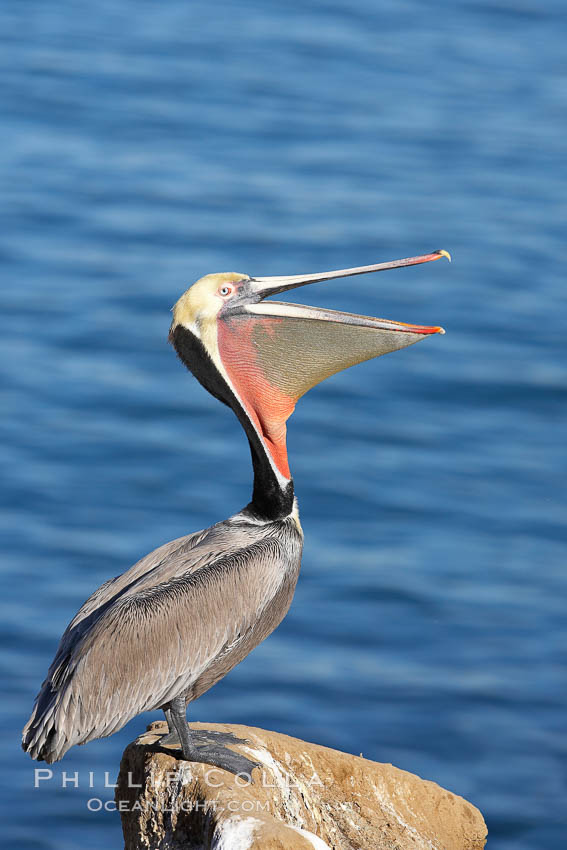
(180, 619)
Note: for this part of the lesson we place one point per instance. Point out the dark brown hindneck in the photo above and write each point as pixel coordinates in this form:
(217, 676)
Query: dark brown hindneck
(270, 500)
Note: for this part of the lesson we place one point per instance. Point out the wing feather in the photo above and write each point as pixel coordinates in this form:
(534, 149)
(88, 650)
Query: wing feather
(148, 635)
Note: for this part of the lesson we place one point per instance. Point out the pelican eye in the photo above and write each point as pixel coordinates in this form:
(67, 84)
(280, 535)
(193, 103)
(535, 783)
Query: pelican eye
(225, 290)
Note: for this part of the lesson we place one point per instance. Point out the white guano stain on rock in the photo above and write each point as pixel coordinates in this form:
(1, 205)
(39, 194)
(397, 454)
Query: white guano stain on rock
(284, 781)
(235, 833)
(386, 803)
(317, 842)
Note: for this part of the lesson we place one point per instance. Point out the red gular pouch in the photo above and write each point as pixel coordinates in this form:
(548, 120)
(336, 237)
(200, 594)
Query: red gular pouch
(275, 352)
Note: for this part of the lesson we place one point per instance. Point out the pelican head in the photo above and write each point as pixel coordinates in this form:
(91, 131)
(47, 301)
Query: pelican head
(260, 357)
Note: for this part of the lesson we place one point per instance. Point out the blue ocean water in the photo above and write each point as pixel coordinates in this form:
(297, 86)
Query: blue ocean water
(146, 144)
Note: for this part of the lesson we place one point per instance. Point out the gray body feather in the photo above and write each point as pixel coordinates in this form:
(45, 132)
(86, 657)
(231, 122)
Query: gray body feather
(172, 625)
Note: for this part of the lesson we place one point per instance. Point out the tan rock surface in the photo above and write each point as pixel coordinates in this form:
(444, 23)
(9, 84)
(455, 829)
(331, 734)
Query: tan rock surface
(303, 796)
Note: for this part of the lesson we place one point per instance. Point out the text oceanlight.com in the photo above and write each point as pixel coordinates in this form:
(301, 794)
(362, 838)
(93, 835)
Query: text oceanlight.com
(96, 804)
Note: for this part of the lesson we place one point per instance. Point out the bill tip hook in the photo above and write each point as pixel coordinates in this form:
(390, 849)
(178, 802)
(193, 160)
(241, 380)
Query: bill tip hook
(443, 253)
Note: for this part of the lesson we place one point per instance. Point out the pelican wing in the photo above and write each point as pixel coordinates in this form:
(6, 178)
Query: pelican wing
(173, 629)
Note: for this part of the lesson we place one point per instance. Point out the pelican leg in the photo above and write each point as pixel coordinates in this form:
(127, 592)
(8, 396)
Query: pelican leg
(211, 752)
(170, 726)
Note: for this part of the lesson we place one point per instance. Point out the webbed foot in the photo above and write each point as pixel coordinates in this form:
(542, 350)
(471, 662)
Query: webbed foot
(205, 746)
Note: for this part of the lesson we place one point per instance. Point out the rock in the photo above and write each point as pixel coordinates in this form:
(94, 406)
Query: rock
(302, 797)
